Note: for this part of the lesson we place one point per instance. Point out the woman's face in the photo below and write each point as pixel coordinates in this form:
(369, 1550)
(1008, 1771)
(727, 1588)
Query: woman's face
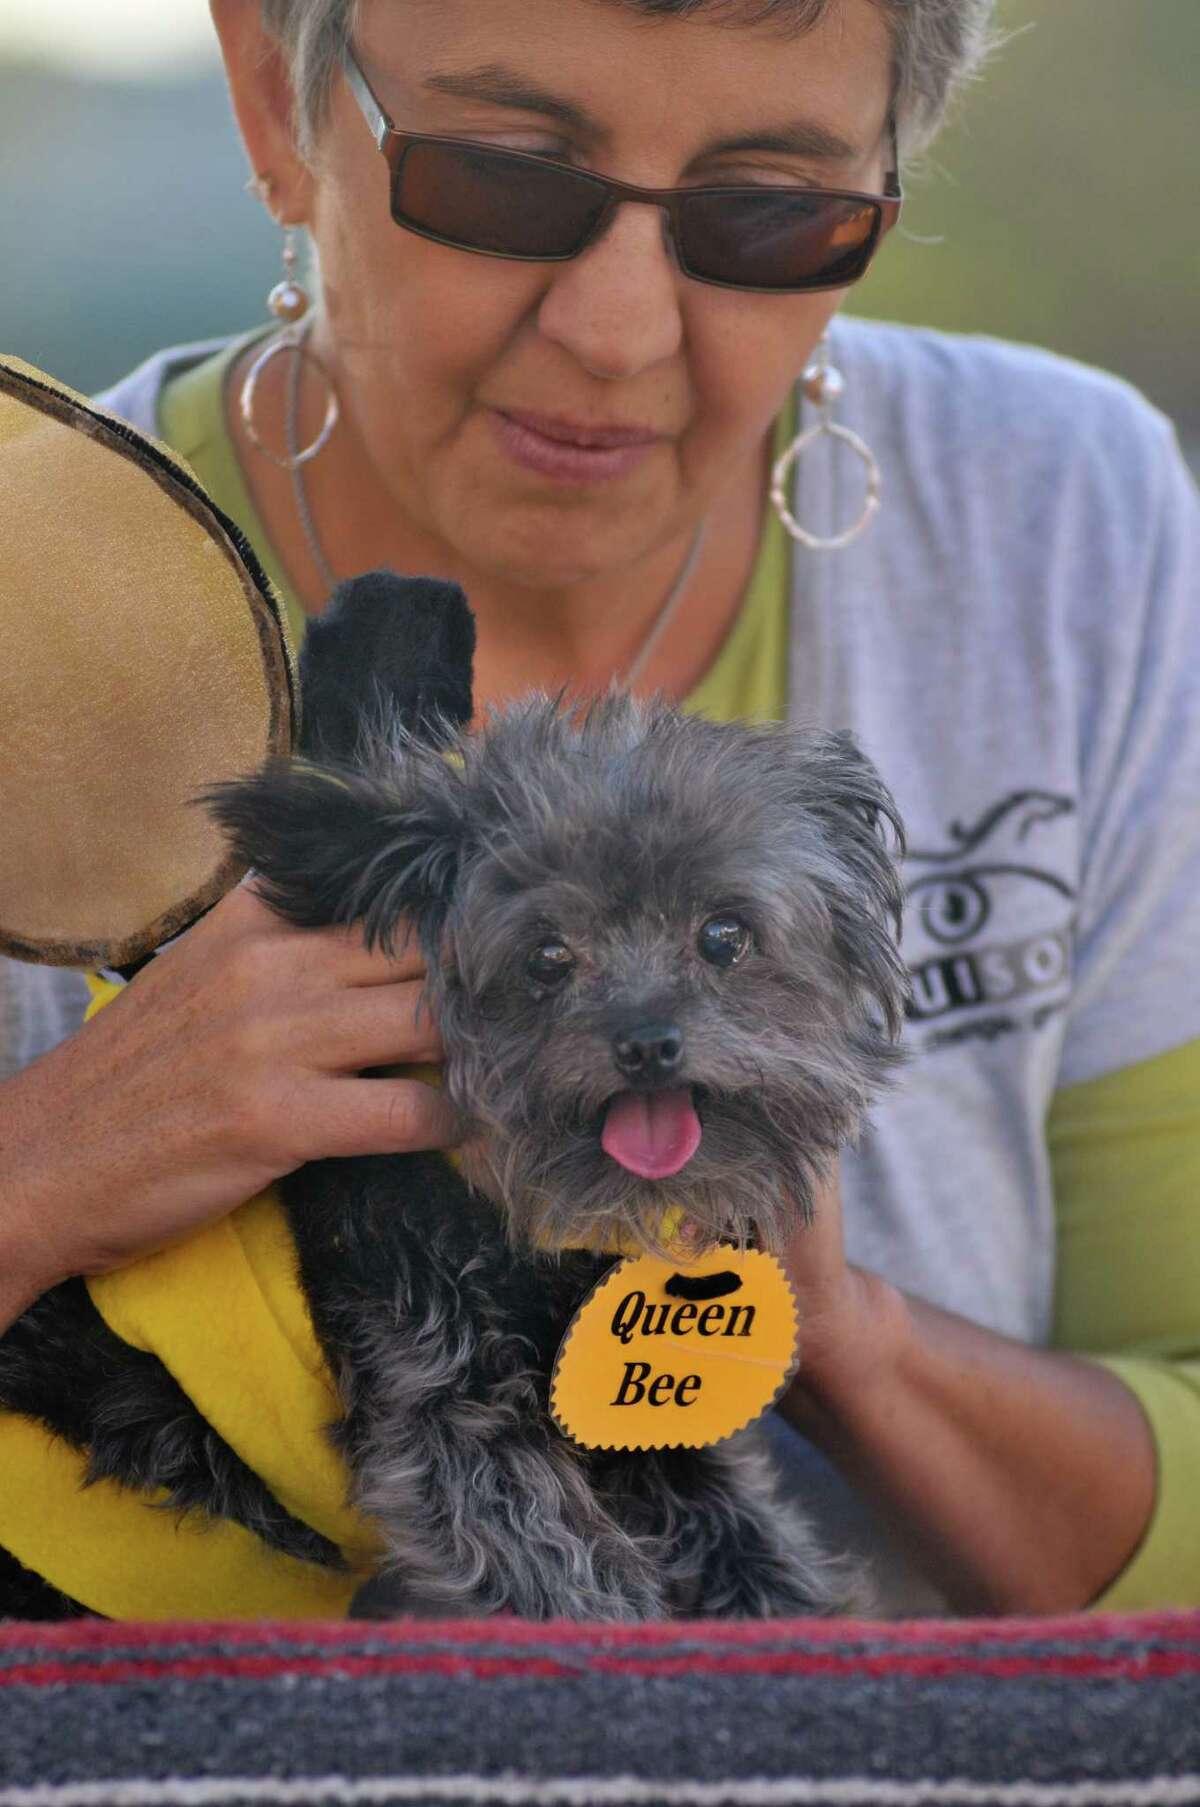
(437, 349)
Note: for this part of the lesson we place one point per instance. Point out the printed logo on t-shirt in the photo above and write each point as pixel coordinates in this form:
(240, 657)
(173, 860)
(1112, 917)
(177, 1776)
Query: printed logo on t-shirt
(994, 920)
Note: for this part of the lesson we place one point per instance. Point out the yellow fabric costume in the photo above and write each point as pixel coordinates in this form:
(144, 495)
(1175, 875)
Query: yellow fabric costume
(260, 1380)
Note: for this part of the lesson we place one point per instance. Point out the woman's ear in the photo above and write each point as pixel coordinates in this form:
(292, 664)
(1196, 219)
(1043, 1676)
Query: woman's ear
(261, 91)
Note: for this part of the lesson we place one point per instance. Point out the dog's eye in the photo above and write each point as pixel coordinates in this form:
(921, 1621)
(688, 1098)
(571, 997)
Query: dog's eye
(550, 963)
(724, 940)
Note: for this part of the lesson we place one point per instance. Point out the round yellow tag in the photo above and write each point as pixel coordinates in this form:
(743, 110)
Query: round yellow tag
(665, 1354)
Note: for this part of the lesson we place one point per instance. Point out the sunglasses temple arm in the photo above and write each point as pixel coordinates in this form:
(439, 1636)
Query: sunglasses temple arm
(372, 112)
(891, 184)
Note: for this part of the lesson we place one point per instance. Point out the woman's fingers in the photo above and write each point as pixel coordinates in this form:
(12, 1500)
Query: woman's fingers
(816, 1254)
(375, 1026)
(336, 952)
(292, 1009)
(341, 1030)
(386, 1116)
(228, 1061)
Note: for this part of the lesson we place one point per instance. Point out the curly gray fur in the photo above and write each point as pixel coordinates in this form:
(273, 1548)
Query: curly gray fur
(485, 1509)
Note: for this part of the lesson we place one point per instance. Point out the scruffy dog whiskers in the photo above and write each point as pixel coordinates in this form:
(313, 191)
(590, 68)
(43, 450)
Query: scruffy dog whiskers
(661, 953)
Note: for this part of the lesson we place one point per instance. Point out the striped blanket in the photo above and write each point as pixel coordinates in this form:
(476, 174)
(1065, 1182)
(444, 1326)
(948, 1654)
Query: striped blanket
(1080, 1712)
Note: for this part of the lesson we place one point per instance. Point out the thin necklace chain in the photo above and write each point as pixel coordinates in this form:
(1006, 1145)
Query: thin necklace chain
(667, 610)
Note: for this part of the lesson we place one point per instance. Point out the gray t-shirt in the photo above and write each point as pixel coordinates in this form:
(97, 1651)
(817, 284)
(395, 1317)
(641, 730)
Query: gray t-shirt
(1016, 643)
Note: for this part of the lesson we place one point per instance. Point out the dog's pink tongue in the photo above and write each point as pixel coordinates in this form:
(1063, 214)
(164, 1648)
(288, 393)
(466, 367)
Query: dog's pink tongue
(653, 1134)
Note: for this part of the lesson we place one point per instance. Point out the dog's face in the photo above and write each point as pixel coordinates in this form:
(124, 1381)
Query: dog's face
(659, 950)
(664, 976)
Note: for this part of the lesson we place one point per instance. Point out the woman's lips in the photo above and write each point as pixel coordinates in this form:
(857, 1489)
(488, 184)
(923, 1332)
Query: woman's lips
(547, 447)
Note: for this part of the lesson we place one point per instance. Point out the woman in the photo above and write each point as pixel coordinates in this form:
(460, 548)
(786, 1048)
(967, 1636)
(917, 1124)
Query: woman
(582, 430)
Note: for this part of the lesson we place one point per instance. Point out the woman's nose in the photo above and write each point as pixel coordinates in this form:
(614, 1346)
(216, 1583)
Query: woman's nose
(615, 307)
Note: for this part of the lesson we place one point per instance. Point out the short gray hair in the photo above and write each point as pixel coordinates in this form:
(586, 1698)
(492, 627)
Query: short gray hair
(939, 45)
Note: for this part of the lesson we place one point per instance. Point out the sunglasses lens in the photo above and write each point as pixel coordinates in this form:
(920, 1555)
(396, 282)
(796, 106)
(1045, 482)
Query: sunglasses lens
(513, 206)
(485, 200)
(767, 240)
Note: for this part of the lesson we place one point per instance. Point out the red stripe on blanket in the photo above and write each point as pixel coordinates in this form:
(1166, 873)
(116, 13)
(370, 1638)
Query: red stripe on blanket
(1143, 1665)
(936, 1634)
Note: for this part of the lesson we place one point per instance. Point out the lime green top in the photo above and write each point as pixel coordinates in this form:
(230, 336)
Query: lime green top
(1125, 1158)
(1124, 1149)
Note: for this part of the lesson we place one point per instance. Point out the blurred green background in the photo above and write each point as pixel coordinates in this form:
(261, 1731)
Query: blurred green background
(1062, 202)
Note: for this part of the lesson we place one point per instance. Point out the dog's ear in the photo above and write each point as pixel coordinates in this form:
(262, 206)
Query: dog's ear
(843, 787)
(386, 650)
(330, 845)
(837, 783)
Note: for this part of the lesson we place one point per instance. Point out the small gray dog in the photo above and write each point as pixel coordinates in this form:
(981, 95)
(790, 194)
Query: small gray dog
(660, 956)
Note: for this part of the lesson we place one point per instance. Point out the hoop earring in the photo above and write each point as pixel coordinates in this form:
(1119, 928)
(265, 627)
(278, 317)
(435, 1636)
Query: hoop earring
(824, 386)
(289, 302)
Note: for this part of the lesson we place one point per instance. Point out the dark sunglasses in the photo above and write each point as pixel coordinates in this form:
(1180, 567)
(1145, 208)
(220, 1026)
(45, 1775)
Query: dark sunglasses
(513, 204)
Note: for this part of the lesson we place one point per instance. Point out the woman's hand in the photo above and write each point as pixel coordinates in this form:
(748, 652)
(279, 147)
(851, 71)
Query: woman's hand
(850, 1320)
(1021, 1479)
(231, 1059)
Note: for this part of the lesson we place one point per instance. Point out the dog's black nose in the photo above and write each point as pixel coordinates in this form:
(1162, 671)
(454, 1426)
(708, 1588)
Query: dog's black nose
(650, 1051)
